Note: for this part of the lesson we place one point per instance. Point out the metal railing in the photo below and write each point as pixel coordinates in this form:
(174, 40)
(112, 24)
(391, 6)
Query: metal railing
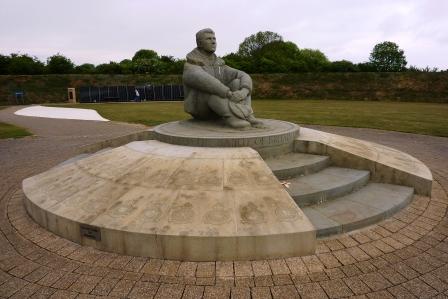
(130, 93)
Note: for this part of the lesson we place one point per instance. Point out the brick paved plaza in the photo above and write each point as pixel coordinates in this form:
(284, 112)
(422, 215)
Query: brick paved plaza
(405, 256)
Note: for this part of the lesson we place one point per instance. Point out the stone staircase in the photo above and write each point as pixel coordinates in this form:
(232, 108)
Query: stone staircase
(336, 199)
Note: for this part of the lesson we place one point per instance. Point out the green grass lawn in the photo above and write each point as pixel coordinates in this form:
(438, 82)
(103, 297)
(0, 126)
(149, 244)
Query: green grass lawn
(11, 131)
(420, 118)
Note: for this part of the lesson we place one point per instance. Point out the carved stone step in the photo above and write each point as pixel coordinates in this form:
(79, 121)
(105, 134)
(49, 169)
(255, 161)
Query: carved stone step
(364, 207)
(296, 164)
(327, 184)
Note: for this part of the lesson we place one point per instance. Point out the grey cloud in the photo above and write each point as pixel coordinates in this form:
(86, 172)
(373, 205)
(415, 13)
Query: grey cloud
(103, 30)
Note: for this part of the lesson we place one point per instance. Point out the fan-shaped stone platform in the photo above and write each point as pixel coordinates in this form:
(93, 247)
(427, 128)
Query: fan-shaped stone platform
(214, 200)
(158, 199)
(187, 203)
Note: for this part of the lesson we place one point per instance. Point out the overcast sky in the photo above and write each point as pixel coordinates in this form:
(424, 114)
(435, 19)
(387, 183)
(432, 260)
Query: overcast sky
(99, 31)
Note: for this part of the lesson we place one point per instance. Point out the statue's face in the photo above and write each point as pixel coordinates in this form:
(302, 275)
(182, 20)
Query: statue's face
(208, 42)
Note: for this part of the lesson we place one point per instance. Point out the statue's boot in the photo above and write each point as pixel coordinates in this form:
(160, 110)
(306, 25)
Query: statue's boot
(255, 122)
(236, 123)
(221, 107)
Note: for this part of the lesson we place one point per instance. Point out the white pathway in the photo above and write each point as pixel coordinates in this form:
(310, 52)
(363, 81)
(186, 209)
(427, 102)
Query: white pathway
(64, 113)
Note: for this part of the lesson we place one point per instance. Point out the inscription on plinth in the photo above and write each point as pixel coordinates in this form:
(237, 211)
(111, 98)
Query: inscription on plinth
(276, 138)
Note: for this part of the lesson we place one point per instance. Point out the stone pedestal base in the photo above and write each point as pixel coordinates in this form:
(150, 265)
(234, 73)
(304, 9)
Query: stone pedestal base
(276, 138)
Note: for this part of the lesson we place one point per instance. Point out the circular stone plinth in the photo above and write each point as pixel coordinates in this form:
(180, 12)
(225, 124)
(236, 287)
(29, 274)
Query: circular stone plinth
(276, 138)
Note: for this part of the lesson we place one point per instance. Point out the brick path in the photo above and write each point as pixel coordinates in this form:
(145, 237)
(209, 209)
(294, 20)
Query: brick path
(405, 256)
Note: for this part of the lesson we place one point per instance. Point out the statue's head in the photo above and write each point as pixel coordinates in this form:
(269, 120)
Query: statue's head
(206, 40)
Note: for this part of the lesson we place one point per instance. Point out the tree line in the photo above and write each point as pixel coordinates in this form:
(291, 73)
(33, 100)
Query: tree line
(263, 52)
(143, 62)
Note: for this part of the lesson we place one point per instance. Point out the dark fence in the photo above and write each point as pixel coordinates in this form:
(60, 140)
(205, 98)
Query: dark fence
(127, 93)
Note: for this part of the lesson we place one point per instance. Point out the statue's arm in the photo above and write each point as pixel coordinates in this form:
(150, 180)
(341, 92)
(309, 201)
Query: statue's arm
(195, 77)
(245, 79)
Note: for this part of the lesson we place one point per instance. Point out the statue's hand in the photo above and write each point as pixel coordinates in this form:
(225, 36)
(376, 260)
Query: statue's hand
(239, 95)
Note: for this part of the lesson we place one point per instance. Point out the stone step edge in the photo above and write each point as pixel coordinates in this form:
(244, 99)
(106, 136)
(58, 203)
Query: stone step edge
(325, 195)
(294, 169)
(334, 227)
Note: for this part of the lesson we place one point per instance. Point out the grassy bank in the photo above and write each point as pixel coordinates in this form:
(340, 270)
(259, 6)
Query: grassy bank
(11, 131)
(419, 118)
(406, 86)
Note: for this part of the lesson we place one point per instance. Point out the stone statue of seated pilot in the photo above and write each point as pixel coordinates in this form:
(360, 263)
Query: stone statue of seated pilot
(215, 91)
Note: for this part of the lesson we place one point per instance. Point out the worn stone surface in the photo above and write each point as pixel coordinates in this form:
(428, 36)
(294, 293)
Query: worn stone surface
(155, 199)
(330, 183)
(366, 206)
(23, 240)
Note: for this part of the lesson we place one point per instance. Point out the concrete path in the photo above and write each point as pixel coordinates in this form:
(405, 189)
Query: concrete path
(60, 113)
(405, 256)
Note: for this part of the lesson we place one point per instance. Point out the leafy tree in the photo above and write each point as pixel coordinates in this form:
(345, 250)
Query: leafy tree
(145, 54)
(314, 60)
(4, 64)
(257, 41)
(146, 61)
(127, 66)
(171, 65)
(277, 57)
(242, 63)
(233, 60)
(146, 66)
(388, 57)
(108, 68)
(342, 66)
(25, 65)
(366, 67)
(426, 69)
(86, 68)
(59, 64)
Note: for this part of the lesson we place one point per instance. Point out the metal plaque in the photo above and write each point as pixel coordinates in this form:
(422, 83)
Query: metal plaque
(90, 232)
